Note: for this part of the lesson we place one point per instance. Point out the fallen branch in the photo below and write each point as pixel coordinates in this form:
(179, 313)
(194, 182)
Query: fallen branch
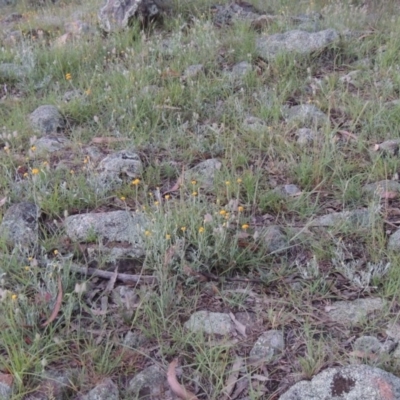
(126, 278)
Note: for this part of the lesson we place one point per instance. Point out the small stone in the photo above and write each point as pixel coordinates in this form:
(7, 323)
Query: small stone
(6, 383)
(394, 241)
(150, 383)
(380, 188)
(204, 172)
(305, 136)
(12, 72)
(268, 345)
(367, 345)
(105, 390)
(306, 115)
(193, 70)
(47, 120)
(389, 147)
(274, 238)
(241, 69)
(289, 190)
(353, 312)
(20, 226)
(210, 323)
(51, 144)
(356, 218)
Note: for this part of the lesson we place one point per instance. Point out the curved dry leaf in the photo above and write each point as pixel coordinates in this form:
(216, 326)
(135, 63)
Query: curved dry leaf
(232, 379)
(238, 325)
(57, 305)
(176, 387)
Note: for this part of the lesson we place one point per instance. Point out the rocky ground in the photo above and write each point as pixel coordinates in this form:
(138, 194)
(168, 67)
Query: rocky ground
(199, 200)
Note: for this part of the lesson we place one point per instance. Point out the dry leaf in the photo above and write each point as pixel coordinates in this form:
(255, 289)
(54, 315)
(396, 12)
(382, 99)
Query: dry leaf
(232, 379)
(377, 147)
(169, 73)
(238, 325)
(111, 282)
(57, 305)
(3, 201)
(176, 387)
(107, 140)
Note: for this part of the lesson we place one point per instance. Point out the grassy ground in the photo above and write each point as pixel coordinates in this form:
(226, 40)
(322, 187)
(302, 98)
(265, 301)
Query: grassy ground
(112, 72)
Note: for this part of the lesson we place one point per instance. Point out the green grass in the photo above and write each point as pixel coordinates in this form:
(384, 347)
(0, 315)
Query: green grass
(195, 233)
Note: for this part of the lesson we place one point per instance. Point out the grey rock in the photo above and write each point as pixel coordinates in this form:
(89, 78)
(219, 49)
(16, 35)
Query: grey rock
(10, 72)
(306, 136)
(210, 323)
(123, 227)
(379, 188)
(134, 340)
(94, 153)
(150, 90)
(125, 297)
(367, 345)
(148, 384)
(394, 241)
(268, 346)
(117, 168)
(254, 124)
(296, 41)
(204, 172)
(20, 226)
(241, 69)
(305, 115)
(275, 239)
(47, 120)
(116, 15)
(308, 22)
(353, 312)
(289, 190)
(353, 382)
(5, 386)
(105, 390)
(390, 147)
(70, 95)
(356, 218)
(50, 144)
(233, 12)
(193, 70)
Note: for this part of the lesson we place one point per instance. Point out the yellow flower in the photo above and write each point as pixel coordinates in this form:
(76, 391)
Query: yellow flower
(14, 296)
(167, 236)
(245, 227)
(136, 182)
(183, 229)
(122, 198)
(33, 148)
(72, 172)
(222, 212)
(201, 229)
(68, 76)
(193, 182)
(55, 252)
(27, 268)
(167, 197)
(88, 92)
(240, 209)
(45, 163)
(194, 194)
(6, 149)
(239, 180)
(227, 183)
(156, 203)
(35, 171)
(147, 233)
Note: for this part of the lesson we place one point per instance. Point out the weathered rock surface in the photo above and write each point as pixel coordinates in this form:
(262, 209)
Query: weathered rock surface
(360, 218)
(149, 383)
(296, 41)
(204, 172)
(105, 390)
(305, 115)
(353, 382)
(47, 120)
(210, 323)
(353, 312)
(20, 226)
(12, 72)
(51, 143)
(268, 345)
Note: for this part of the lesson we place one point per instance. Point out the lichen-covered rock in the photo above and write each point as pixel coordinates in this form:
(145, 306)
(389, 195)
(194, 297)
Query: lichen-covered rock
(46, 120)
(210, 323)
(105, 390)
(296, 41)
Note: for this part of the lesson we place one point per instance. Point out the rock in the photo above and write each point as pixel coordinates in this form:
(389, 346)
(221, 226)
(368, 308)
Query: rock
(47, 120)
(13, 72)
(70, 95)
(116, 15)
(134, 340)
(122, 229)
(204, 172)
(149, 384)
(105, 390)
(308, 22)
(50, 144)
(193, 70)
(20, 226)
(305, 115)
(268, 345)
(356, 218)
(240, 70)
(297, 41)
(6, 383)
(274, 238)
(382, 187)
(368, 346)
(394, 241)
(53, 385)
(353, 312)
(353, 382)
(210, 323)
(287, 190)
(389, 147)
(117, 168)
(127, 300)
(253, 124)
(306, 136)
(233, 12)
